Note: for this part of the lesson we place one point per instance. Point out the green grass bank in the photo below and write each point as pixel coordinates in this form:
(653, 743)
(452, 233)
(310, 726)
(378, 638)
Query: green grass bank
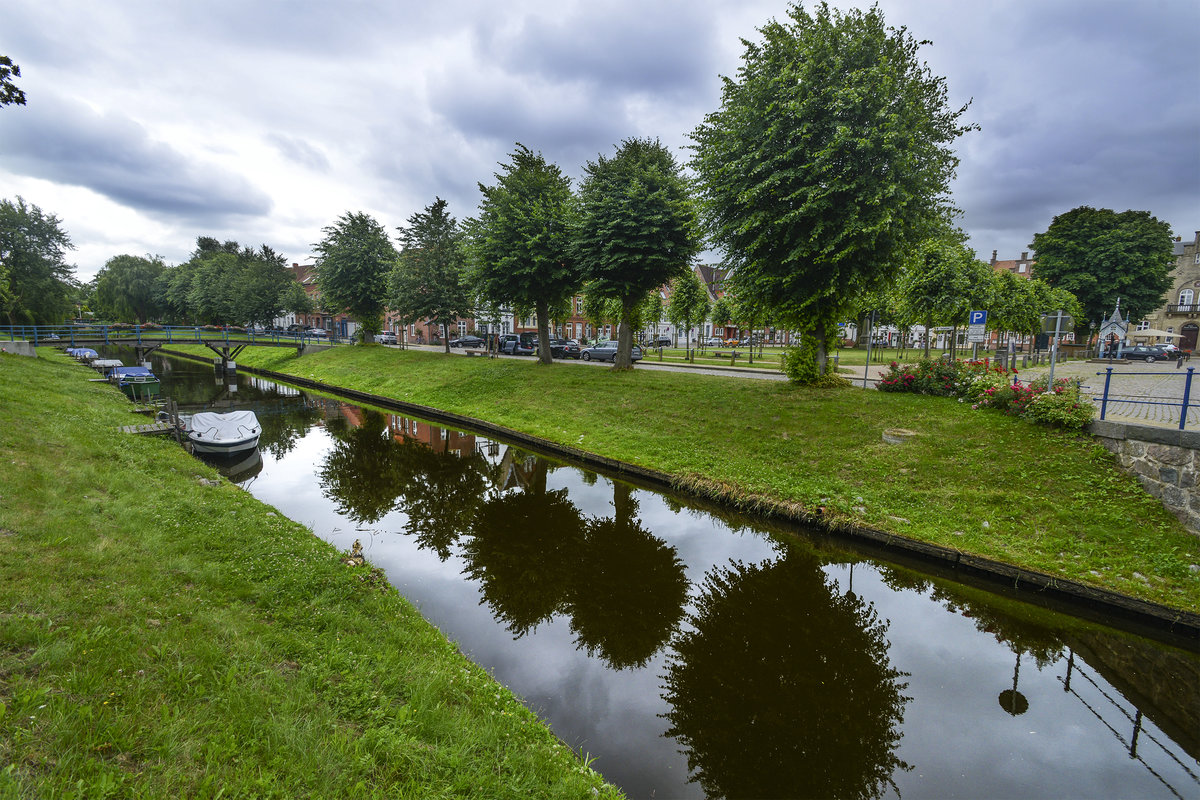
(164, 634)
(980, 482)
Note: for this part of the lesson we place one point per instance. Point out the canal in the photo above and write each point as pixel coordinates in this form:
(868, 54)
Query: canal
(692, 653)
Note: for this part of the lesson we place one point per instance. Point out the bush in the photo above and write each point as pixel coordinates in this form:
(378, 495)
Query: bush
(987, 386)
(800, 364)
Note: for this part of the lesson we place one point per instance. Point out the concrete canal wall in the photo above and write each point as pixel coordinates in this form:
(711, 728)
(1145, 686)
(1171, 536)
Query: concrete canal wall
(1165, 460)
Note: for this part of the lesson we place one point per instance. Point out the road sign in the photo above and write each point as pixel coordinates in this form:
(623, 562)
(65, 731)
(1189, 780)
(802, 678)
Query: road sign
(977, 318)
(976, 333)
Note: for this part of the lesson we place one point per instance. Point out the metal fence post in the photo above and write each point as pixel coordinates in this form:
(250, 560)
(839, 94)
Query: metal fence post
(1187, 392)
(1104, 401)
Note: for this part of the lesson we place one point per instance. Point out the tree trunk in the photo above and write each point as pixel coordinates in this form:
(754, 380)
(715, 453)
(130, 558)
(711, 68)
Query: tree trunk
(623, 359)
(822, 356)
(543, 327)
(446, 337)
(928, 329)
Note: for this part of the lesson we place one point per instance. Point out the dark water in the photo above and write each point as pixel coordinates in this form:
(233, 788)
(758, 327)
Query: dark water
(691, 654)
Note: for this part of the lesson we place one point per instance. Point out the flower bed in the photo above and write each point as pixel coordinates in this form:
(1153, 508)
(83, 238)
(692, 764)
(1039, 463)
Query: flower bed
(986, 385)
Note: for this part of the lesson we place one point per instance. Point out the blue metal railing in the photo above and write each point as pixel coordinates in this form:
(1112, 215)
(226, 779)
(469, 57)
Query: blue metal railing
(70, 335)
(1184, 404)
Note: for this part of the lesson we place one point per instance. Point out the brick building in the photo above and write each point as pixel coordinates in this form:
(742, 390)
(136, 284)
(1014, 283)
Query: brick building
(1180, 312)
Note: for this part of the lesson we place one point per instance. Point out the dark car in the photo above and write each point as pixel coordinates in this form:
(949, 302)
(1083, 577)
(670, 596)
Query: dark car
(467, 341)
(662, 341)
(562, 348)
(607, 351)
(518, 344)
(1147, 352)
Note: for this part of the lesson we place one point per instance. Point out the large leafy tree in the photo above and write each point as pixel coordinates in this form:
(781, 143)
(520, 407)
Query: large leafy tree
(33, 248)
(688, 305)
(521, 240)
(353, 262)
(940, 283)
(9, 93)
(226, 283)
(636, 230)
(829, 158)
(127, 288)
(1098, 255)
(429, 281)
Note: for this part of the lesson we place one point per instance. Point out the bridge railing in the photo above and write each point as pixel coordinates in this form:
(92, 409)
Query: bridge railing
(131, 335)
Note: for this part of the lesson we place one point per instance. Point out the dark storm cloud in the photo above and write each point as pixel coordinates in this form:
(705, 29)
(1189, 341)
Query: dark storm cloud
(1084, 104)
(112, 155)
(657, 48)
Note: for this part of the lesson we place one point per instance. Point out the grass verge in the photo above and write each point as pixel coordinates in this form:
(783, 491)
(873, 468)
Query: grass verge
(164, 634)
(983, 483)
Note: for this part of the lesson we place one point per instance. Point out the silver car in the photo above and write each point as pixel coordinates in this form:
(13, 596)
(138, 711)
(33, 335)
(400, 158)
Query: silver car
(607, 351)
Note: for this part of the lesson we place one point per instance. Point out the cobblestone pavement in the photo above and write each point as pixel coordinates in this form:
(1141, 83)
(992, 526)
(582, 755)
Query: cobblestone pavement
(1149, 394)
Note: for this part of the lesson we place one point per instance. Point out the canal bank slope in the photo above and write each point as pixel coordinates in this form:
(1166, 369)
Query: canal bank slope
(164, 634)
(971, 489)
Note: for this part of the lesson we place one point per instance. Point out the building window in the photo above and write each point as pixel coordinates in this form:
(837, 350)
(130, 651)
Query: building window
(1185, 297)
(1198, 258)
(1021, 267)
(1144, 325)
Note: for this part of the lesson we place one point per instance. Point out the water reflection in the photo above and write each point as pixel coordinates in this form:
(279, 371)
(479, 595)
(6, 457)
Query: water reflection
(783, 687)
(693, 654)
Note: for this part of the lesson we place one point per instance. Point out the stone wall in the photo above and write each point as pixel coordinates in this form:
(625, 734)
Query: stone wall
(1165, 460)
(18, 348)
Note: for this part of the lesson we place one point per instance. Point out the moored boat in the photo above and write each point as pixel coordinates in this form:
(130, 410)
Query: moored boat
(223, 434)
(138, 383)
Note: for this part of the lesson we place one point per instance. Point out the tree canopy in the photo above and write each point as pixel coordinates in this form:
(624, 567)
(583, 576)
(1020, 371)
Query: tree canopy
(688, 305)
(1098, 255)
(521, 240)
(127, 288)
(33, 248)
(941, 282)
(10, 94)
(353, 263)
(636, 230)
(428, 281)
(224, 283)
(829, 159)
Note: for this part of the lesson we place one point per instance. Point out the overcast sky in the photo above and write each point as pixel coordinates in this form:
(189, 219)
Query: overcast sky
(151, 123)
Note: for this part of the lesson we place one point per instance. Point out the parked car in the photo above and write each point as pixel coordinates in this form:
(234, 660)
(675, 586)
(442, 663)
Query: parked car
(662, 341)
(571, 348)
(387, 337)
(518, 344)
(317, 332)
(607, 351)
(562, 348)
(1147, 352)
(714, 341)
(469, 340)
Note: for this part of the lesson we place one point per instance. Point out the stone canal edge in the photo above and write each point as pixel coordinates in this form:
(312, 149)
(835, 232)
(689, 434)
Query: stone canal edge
(1175, 626)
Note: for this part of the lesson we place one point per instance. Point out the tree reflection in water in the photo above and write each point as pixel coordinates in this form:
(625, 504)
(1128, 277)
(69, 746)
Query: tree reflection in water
(523, 549)
(531, 549)
(783, 687)
(628, 596)
(359, 471)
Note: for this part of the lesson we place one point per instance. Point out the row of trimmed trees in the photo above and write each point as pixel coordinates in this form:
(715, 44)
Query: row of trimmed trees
(533, 246)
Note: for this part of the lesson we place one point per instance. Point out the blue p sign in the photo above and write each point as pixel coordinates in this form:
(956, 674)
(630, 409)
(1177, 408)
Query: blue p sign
(978, 318)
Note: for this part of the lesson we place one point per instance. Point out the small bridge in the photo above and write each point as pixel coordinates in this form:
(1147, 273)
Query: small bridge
(226, 342)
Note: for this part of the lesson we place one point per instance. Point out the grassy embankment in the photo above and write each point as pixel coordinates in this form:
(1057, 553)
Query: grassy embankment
(164, 634)
(978, 481)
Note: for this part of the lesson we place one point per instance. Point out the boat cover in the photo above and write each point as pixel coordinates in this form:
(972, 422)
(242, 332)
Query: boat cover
(106, 363)
(131, 372)
(84, 353)
(232, 426)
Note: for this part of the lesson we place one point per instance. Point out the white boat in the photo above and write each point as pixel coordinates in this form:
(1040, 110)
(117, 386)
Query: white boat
(223, 434)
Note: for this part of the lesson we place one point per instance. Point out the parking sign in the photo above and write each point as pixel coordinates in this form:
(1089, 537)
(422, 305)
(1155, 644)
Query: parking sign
(978, 318)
